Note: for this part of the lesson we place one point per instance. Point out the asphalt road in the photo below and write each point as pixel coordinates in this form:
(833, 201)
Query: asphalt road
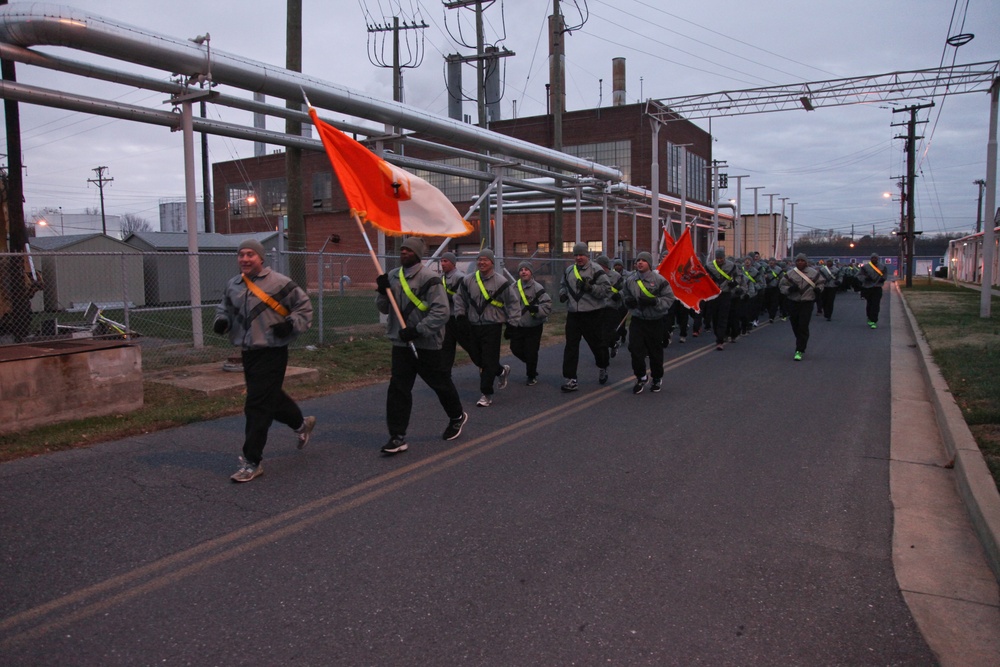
(740, 517)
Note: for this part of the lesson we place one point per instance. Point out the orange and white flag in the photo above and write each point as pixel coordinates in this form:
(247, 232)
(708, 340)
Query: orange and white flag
(390, 198)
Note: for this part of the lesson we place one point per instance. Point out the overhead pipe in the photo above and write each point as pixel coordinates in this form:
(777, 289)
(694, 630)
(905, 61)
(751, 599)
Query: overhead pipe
(37, 24)
(67, 66)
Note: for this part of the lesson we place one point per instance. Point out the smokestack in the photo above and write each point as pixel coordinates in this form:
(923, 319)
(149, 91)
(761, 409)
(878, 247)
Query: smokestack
(454, 65)
(617, 82)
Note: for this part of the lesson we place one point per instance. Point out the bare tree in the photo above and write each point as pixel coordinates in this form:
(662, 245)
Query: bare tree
(134, 223)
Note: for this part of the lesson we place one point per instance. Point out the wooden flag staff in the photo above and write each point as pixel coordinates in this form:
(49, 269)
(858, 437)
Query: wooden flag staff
(378, 267)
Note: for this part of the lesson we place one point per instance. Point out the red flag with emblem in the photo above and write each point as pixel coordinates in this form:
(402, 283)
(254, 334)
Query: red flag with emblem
(686, 275)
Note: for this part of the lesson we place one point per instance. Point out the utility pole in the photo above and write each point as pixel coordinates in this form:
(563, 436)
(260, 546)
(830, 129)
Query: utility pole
(557, 100)
(483, 55)
(738, 225)
(791, 237)
(376, 56)
(783, 228)
(979, 205)
(716, 186)
(295, 214)
(911, 168)
(206, 187)
(756, 220)
(100, 181)
(774, 224)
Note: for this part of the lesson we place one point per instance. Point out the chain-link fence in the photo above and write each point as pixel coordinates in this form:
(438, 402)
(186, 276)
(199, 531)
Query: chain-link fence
(146, 297)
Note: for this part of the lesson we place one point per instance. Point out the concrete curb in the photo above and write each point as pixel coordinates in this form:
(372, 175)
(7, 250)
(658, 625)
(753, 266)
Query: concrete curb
(976, 485)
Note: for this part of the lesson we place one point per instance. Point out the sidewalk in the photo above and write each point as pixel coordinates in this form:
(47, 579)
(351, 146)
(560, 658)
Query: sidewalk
(946, 521)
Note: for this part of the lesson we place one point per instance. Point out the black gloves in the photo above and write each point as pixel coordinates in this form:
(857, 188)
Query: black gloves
(382, 283)
(647, 301)
(507, 332)
(631, 301)
(586, 286)
(282, 329)
(563, 298)
(533, 309)
(221, 326)
(408, 334)
(792, 287)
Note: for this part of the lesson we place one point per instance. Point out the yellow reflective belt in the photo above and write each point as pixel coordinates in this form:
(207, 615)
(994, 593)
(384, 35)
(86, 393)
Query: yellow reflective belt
(749, 276)
(725, 275)
(576, 272)
(486, 295)
(444, 281)
(421, 306)
(520, 289)
(876, 269)
(643, 288)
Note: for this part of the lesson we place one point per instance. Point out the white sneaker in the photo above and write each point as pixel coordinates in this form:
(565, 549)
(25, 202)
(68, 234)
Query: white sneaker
(303, 432)
(485, 401)
(504, 374)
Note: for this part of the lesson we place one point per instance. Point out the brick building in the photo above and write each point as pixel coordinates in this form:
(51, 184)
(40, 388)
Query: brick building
(250, 193)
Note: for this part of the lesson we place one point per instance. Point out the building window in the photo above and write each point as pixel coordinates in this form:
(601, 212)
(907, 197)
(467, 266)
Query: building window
(258, 200)
(568, 247)
(242, 201)
(543, 247)
(322, 191)
(455, 188)
(520, 248)
(616, 154)
(697, 177)
(273, 195)
(595, 246)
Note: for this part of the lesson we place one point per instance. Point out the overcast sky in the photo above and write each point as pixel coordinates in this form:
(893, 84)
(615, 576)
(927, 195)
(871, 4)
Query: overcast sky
(835, 163)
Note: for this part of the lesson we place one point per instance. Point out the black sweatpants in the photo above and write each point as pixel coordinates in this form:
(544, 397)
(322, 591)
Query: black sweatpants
(873, 302)
(524, 344)
(588, 326)
(484, 348)
(266, 402)
(645, 339)
(799, 315)
(433, 369)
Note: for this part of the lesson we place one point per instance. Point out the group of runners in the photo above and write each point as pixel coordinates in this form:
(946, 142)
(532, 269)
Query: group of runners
(432, 312)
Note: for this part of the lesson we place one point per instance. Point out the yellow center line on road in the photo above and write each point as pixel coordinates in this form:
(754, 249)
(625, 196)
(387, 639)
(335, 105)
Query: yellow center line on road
(162, 572)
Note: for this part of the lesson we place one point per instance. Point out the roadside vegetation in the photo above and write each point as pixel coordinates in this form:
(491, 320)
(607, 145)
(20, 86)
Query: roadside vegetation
(966, 348)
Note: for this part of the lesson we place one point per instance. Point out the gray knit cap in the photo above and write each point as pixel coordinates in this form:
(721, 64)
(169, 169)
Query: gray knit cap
(255, 245)
(580, 248)
(487, 253)
(801, 255)
(603, 261)
(526, 265)
(416, 244)
(450, 256)
(720, 252)
(646, 257)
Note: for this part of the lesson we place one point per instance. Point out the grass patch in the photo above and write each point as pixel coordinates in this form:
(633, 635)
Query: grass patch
(966, 347)
(359, 356)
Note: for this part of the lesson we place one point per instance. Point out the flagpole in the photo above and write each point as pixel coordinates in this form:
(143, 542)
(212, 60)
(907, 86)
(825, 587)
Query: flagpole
(378, 265)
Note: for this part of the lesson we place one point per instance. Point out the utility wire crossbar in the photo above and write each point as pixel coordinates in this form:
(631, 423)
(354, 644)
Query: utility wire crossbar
(879, 88)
